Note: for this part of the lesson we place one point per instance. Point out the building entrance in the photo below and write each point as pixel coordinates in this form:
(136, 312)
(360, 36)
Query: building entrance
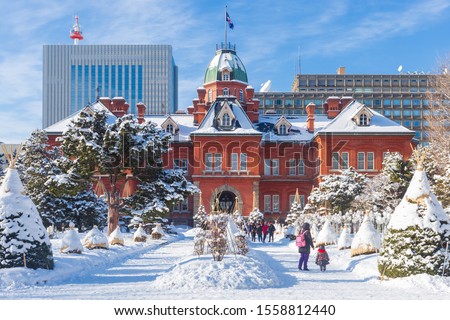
(226, 201)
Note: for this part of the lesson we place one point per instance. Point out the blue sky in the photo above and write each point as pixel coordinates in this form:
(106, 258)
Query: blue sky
(370, 36)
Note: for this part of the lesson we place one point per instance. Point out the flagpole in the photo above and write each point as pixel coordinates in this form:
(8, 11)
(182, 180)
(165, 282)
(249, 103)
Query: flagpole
(225, 20)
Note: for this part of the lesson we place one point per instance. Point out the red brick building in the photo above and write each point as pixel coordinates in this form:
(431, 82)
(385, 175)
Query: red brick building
(232, 152)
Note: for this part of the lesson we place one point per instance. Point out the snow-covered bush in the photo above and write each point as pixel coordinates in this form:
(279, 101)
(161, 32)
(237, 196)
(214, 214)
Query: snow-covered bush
(116, 237)
(95, 239)
(345, 239)
(367, 240)
(140, 235)
(326, 235)
(157, 232)
(71, 243)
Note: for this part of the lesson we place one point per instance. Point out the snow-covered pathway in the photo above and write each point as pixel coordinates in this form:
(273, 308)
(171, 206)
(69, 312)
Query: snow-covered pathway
(134, 277)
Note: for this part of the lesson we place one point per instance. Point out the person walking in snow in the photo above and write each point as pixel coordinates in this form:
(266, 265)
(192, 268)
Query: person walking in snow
(259, 232)
(304, 248)
(271, 231)
(322, 258)
(253, 232)
(265, 229)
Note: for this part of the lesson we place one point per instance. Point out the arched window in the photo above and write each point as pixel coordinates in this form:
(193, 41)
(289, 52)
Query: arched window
(226, 91)
(209, 95)
(169, 128)
(363, 121)
(241, 95)
(282, 129)
(226, 120)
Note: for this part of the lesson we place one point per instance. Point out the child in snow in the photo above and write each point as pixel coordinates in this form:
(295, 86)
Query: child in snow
(322, 258)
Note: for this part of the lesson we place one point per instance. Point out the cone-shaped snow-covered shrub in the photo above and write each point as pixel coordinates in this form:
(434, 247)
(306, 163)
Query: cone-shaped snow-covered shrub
(345, 239)
(199, 242)
(237, 241)
(201, 216)
(314, 231)
(326, 235)
(116, 237)
(216, 236)
(71, 243)
(23, 238)
(95, 239)
(367, 240)
(157, 232)
(140, 235)
(416, 235)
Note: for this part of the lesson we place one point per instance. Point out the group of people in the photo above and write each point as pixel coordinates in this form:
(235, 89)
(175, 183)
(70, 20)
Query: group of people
(262, 229)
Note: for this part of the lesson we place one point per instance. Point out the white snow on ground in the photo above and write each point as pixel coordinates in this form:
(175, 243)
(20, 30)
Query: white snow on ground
(167, 269)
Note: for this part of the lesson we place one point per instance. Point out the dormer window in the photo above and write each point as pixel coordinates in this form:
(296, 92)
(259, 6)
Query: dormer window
(363, 121)
(225, 76)
(170, 126)
(226, 120)
(226, 91)
(282, 126)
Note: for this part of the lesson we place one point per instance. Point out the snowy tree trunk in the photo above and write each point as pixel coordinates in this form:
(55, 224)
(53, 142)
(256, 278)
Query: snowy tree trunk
(113, 202)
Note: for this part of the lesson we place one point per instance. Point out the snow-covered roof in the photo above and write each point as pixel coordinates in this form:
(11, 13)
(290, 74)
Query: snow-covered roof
(185, 124)
(61, 126)
(243, 125)
(379, 124)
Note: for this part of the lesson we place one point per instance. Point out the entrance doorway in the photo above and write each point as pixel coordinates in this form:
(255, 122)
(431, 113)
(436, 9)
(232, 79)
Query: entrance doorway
(226, 201)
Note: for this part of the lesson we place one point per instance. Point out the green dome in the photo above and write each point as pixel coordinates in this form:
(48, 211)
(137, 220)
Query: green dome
(225, 59)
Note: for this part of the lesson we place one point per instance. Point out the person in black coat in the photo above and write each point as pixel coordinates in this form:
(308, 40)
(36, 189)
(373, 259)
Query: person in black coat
(305, 251)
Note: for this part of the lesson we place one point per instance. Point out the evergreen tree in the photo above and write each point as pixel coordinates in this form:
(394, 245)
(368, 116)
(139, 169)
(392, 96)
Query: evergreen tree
(23, 238)
(399, 173)
(295, 210)
(338, 190)
(115, 150)
(417, 233)
(60, 198)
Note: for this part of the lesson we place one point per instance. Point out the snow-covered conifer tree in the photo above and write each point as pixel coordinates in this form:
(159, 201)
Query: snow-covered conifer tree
(295, 210)
(398, 171)
(417, 233)
(339, 190)
(23, 238)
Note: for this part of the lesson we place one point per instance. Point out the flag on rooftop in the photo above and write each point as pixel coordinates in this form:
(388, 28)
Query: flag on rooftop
(230, 23)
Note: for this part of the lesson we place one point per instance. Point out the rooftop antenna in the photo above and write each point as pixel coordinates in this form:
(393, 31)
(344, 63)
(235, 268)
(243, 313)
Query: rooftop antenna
(76, 33)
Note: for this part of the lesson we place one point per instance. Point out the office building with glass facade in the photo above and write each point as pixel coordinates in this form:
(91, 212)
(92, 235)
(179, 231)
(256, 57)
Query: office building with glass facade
(74, 76)
(401, 97)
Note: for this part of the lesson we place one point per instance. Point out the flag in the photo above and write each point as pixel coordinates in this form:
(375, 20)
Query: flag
(230, 23)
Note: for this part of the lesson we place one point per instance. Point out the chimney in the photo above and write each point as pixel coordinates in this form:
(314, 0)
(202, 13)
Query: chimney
(341, 70)
(190, 110)
(118, 106)
(345, 102)
(333, 107)
(126, 106)
(310, 108)
(140, 112)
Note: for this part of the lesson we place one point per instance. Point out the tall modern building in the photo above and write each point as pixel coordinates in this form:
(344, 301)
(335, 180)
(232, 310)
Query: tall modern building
(400, 97)
(76, 75)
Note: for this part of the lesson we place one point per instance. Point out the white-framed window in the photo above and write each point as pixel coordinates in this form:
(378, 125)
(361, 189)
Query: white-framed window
(234, 161)
(267, 167)
(344, 164)
(301, 167)
(226, 91)
(292, 198)
(267, 204)
(275, 167)
(225, 76)
(209, 161)
(243, 162)
(209, 95)
(361, 161)
(226, 120)
(180, 164)
(291, 166)
(370, 161)
(275, 203)
(282, 130)
(217, 162)
(169, 128)
(241, 95)
(363, 120)
(335, 161)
